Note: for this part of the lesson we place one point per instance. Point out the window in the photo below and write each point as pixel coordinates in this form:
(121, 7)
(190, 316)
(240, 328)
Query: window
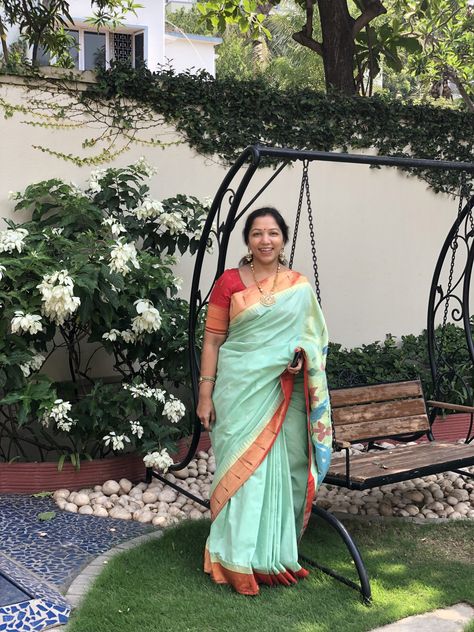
(74, 50)
(97, 49)
(94, 50)
(139, 49)
(122, 46)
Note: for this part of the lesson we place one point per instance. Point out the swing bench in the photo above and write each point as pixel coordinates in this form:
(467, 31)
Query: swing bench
(363, 413)
(385, 412)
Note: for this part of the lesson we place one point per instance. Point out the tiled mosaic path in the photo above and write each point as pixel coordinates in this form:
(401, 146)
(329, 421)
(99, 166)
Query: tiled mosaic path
(43, 557)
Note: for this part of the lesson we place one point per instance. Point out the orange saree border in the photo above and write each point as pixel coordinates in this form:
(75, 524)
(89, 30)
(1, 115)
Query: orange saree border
(247, 583)
(246, 464)
(251, 295)
(311, 487)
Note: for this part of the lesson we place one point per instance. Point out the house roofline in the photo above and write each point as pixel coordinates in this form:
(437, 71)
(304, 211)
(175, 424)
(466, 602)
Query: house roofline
(207, 39)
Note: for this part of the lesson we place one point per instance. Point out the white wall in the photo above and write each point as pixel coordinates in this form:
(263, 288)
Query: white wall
(187, 51)
(378, 232)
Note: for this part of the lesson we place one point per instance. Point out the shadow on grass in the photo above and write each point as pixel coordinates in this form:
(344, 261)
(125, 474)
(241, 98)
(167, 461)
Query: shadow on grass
(161, 585)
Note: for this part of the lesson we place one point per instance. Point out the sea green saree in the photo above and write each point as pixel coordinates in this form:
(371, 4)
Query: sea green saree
(272, 436)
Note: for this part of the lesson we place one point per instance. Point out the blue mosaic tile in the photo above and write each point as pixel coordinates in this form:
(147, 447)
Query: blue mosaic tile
(10, 593)
(55, 562)
(35, 615)
(28, 581)
(43, 557)
(56, 550)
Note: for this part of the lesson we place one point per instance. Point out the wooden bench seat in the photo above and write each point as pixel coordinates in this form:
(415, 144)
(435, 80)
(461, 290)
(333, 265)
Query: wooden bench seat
(389, 411)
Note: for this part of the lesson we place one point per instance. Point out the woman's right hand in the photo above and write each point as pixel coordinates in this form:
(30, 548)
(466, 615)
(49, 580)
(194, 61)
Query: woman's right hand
(205, 412)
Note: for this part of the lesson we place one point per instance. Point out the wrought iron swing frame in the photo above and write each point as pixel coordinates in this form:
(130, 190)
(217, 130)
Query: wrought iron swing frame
(462, 232)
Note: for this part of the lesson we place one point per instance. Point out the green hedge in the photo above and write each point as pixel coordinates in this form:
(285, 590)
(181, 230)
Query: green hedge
(222, 117)
(407, 359)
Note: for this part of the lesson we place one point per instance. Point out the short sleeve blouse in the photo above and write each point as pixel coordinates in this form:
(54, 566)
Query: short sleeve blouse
(217, 321)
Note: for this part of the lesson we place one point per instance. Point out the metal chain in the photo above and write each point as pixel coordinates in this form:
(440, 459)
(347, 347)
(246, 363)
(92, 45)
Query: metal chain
(312, 237)
(298, 213)
(304, 189)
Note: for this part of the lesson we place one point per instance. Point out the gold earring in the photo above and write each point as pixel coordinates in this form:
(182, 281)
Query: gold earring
(249, 256)
(282, 258)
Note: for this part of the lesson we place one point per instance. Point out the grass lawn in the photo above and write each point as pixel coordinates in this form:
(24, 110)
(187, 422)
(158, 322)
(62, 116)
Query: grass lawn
(160, 586)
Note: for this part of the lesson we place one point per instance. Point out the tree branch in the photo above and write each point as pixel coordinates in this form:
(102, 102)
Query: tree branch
(372, 9)
(305, 36)
(3, 37)
(462, 90)
(309, 42)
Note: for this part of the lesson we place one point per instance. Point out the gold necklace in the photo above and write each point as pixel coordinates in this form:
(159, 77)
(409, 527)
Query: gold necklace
(266, 299)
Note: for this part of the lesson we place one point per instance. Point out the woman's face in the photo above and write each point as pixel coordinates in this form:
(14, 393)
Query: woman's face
(265, 240)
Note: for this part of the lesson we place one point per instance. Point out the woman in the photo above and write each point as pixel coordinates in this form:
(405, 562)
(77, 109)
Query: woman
(270, 421)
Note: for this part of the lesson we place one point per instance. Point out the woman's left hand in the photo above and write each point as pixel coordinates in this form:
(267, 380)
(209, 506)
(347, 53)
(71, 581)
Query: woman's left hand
(294, 370)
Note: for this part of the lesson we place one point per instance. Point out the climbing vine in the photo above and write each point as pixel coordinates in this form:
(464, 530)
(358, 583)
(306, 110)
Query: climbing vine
(221, 117)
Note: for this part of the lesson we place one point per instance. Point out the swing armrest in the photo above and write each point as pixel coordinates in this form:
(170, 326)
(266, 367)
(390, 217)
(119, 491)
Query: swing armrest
(342, 445)
(446, 406)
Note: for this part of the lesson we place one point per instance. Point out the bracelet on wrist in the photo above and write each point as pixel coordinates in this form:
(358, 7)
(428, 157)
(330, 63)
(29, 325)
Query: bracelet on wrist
(206, 378)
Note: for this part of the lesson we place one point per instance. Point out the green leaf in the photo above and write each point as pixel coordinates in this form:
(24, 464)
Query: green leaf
(42, 495)
(61, 460)
(45, 516)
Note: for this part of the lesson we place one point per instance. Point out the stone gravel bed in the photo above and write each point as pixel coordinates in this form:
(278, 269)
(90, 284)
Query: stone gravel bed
(439, 496)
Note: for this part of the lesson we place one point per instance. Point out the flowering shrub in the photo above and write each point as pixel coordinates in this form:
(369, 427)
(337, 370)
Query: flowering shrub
(92, 271)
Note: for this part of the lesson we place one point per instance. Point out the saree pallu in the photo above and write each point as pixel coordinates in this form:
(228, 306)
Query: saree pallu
(272, 436)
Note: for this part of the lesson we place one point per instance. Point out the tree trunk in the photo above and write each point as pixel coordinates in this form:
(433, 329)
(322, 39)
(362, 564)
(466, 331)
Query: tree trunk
(3, 36)
(338, 46)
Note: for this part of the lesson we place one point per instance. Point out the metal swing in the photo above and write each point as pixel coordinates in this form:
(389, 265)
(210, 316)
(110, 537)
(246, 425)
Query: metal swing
(219, 226)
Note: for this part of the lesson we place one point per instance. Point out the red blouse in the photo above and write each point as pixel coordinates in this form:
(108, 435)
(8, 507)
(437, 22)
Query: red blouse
(217, 321)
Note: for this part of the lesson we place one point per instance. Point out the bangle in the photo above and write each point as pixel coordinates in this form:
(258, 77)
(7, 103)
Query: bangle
(206, 378)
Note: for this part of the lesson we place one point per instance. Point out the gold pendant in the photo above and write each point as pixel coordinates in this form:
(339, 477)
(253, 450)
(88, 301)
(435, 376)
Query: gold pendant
(267, 300)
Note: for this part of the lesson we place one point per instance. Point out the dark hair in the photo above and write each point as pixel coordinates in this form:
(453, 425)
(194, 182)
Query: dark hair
(262, 212)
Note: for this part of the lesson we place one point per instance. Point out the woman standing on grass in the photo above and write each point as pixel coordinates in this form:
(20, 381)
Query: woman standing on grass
(270, 421)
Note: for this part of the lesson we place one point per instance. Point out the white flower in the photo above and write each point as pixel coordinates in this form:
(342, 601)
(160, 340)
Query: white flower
(65, 424)
(143, 390)
(57, 231)
(136, 428)
(34, 364)
(143, 166)
(27, 323)
(111, 335)
(25, 369)
(121, 255)
(128, 336)
(159, 460)
(12, 195)
(149, 209)
(12, 238)
(59, 414)
(75, 190)
(36, 361)
(60, 409)
(148, 318)
(174, 409)
(95, 177)
(173, 222)
(59, 303)
(178, 282)
(2, 270)
(117, 441)
(115, 227)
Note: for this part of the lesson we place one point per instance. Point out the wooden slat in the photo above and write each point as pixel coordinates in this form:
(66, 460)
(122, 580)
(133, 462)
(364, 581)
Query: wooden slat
(381, 428)
(399, 460)
(380, 410)
(377, 393)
